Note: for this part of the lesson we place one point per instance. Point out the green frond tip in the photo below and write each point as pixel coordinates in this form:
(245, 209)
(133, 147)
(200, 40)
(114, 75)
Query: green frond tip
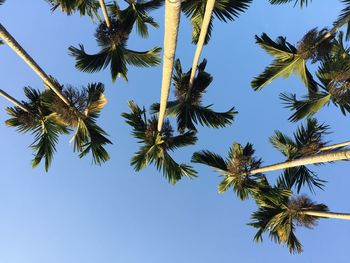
(302, 3)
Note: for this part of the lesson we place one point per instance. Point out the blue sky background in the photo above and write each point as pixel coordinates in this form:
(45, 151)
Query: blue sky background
(82, 213)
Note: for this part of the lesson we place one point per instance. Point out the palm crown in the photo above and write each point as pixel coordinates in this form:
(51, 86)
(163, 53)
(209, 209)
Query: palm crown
(333, 74)
(280, 219)
(188, 107)
(49, 117)
(306, 141)
(113, 42)
(156, 145)
(235, 168)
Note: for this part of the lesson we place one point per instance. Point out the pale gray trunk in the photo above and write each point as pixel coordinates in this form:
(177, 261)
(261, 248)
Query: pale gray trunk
(105, 13)
(328, 214)
(171, 27)
(314, 159)
(14, 101)
(16, 47)
(204, 29)
(335, 146)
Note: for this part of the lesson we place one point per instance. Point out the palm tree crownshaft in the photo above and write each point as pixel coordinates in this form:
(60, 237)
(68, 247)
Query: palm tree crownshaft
(314, 159)
(328, 214)
(105, 13)
(15, 46)
(14, 101)
(204, 29)
(171, 27)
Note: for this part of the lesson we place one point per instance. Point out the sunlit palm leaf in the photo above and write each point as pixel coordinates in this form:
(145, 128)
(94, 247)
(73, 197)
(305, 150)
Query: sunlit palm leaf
(287, 61)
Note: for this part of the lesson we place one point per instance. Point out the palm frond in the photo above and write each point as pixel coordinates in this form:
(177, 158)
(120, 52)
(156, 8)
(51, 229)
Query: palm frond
(90, 63)
(148, 58)
(306, 107)
(344, 18)
(287, 60)
(224, 10)
(211, 159)
(302, 3)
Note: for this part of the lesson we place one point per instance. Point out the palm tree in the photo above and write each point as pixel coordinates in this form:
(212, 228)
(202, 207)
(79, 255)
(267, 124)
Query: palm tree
(156, 145)
(288, 59)
(188, 107)
(113, 42)
(333, 74)
(33, 116)
(281, 219)
(306, 141)
(85, 7)
(171, 28)
(308, 148)
(89, 136)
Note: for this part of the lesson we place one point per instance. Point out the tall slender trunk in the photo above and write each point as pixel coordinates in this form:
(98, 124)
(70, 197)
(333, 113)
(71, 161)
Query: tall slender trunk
(105, 13)
(204, 29)
(328, 214)
(314, 159)
(171, 27)
(16, 47)
(14, 101)
(335, 146)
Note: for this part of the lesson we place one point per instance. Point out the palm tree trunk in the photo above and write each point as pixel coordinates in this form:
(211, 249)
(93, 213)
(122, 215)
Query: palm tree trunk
(328, 214)
(14, 101)
(16, 47)
(105, 13)
(204, 29)
(314, 159)
(335, 146)
(171, 27)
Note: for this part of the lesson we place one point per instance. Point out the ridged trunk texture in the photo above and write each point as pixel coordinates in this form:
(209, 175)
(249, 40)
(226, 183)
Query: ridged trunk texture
(171, 27)
(204, 29)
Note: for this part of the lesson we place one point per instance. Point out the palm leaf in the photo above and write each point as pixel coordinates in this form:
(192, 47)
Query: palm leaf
(287, 60)
(224, 10)
(302, 3)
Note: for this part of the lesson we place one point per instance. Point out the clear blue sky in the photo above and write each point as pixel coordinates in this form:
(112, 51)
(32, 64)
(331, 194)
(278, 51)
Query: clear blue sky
(82, 213)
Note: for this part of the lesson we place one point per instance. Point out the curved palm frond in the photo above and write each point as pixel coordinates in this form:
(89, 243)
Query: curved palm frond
(84, 7)
(302, 3)
(287, 60)
(156, 145)
(224, 10)
(344, 18)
